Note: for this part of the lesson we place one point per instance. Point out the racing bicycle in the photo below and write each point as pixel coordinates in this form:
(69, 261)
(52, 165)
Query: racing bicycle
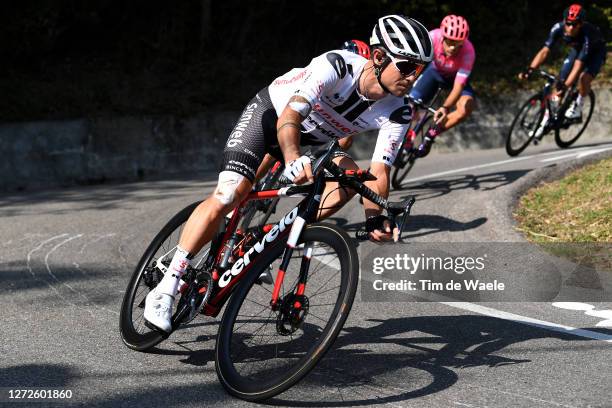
(406, 157)
(270, 335)
(541, 114)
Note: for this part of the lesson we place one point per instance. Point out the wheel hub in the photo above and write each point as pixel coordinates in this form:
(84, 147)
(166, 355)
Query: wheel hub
(293, 311)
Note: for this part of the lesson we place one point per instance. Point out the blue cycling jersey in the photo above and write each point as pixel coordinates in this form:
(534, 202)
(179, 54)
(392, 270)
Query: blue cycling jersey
(587, 43)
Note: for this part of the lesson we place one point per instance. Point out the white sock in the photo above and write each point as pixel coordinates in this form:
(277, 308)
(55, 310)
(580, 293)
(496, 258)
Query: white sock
(579, 100)
(178, 266)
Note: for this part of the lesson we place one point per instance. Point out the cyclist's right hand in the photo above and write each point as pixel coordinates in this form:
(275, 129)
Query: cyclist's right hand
(299, 171)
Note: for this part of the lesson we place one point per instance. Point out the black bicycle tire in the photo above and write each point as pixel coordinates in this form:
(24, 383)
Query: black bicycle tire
(399, 174)
(515, 152)
(564, 144)
(247, 389)
(129, 335)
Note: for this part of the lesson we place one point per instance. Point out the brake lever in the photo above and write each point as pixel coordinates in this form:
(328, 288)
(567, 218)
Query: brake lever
(405, 216)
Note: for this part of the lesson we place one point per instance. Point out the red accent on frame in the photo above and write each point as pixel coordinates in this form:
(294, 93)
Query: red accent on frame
(277, 285)
(275, 167)
(267, 228)
(300, 289)
(262, 195)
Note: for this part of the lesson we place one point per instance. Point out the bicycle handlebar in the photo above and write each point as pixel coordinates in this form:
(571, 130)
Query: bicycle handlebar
(422, 105)
(393, 208)
(547, 75)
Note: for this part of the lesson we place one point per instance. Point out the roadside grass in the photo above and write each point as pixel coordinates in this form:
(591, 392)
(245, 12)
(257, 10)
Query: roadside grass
(575, 209)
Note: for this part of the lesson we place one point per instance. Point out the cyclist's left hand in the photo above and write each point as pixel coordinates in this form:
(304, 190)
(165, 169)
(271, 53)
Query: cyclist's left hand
(440, 114)
(381, 229)
(560, 89)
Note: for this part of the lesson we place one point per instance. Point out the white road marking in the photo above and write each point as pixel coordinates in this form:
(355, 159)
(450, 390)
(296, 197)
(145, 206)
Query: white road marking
(577, 155)
(497, 163)
(49, 267)
(581, 155)
(588, 310)
(530, 321)
(29, 267)
(99, 238)
(565, 156)
(40, 245)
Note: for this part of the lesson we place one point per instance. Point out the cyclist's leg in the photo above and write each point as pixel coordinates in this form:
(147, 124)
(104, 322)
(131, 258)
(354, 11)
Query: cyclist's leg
(592, 66)
(425, 87)
(428, 84)
(244, 151)
(265, 166)
(346, 143)
(334, 197)
(568, 64)
(463, 108)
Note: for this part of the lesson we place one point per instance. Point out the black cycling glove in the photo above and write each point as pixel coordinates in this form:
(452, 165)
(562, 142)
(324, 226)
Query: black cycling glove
(377, 222)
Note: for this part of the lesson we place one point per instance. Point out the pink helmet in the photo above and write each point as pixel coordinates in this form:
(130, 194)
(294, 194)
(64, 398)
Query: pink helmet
(455, 28)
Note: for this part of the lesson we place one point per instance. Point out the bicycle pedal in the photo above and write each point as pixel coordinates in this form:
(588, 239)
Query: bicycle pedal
(154, 328)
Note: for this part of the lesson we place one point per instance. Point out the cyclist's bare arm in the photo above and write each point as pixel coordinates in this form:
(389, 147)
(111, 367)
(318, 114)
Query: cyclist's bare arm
(380, 186)
(450, 101)
(538, 60)
(288, 134)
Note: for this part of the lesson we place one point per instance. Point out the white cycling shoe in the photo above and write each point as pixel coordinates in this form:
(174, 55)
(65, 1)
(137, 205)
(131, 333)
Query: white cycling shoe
(158, 310)
(540, 129)
(574, 111)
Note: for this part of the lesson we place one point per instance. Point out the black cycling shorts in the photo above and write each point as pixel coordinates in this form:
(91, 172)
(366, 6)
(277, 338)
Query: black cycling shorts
(254, 135)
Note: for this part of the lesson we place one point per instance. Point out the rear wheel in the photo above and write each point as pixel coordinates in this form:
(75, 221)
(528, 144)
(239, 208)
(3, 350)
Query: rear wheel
(148, 273)
(571, 130)
(262, 351)
(258, 212)
(524, 126)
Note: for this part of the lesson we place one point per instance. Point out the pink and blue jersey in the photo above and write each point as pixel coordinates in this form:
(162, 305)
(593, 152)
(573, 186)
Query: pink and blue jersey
(459, 66)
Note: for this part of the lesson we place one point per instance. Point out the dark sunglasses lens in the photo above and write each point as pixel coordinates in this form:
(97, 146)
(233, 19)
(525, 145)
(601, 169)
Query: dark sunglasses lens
(406, 67)
(570, 24)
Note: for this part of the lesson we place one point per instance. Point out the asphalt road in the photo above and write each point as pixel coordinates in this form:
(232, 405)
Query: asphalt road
(66, 256)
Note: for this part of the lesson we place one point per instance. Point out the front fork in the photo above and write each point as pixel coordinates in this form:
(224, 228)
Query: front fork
(294, 235)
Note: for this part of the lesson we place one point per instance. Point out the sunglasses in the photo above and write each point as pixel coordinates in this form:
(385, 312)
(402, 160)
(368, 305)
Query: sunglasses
(453, 43)
(407, 67)
(571, 23)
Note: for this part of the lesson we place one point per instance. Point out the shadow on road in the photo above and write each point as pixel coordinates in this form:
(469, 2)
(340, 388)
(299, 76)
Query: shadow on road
(432, 349)
(442, 186)
(418, 225)
(422, 356)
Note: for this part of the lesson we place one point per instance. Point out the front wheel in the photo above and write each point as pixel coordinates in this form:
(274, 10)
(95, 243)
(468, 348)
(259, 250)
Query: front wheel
(570, 130)
(262, 351)
(525, 125)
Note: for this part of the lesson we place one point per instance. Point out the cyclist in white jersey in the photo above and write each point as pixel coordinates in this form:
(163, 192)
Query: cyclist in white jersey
(338, 94)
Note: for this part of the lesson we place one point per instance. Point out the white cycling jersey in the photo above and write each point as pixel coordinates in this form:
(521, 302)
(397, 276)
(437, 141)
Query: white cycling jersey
(329, 84)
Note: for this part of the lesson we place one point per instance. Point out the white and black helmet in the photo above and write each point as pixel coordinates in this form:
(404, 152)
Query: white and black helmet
(403, 37)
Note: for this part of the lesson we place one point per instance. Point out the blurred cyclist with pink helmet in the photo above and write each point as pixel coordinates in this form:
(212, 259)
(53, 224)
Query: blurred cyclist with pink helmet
(452, 64)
